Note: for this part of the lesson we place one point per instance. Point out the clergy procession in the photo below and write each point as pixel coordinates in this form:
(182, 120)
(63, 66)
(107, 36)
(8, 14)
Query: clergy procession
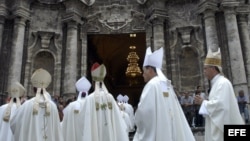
(98, 116)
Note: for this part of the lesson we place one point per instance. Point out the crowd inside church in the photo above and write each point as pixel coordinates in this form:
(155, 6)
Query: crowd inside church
(162, 112)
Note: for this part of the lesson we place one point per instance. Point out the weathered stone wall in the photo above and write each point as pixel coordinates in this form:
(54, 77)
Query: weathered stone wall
(186, 29)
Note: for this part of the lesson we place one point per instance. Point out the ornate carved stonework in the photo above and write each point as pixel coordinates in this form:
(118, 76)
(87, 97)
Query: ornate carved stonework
(141, 1)
(115, 16)
(88, 2)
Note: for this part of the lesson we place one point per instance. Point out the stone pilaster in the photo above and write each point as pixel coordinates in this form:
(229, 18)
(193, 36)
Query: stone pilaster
(244, 35)
(158, 18)
(70, 70)
(208, 9)
(2, 20)
(84, 50)
(3, 14)
(235, 52)
(17, 50)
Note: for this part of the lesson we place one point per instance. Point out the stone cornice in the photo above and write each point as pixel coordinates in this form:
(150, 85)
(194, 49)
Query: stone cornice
(74, 11)
(207, 5)
(3, 11)
(157, 13)
(243, 9)
(72, 16)
(21, 12)
(230, 3)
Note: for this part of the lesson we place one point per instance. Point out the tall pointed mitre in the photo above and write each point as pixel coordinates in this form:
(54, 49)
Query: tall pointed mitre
(213, 59)
(41, 80)
(82, 85)
(16, 90)
(155, 59)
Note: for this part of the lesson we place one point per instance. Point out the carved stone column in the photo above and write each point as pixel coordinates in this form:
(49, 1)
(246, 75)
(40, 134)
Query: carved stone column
(84, 50)
(3, 14)
(235, 52)
(244, 35)
(17, 50)
(2, 20)
(157, 18)
(70, 71)
(208, 9)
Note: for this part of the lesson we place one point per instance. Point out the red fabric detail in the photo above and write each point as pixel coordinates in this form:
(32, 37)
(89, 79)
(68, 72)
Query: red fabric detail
(94, 66)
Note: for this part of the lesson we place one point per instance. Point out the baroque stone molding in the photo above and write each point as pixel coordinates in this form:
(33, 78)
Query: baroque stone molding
(138, 22)
(93, 23)
(230, 3)
(45, 40)
(243, 9)
(21, 12)
(207, 5)
(185, 33)
(115, 16)
(157, 14)
(72, 16)
(141, 1)
(88, 2)
(3, 11)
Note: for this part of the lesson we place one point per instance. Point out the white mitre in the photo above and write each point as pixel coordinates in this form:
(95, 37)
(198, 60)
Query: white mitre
(119, 99)
(125, 98)
(16, 90)
(213, 59)
(41, 80)
(82, 85)
(155, 60)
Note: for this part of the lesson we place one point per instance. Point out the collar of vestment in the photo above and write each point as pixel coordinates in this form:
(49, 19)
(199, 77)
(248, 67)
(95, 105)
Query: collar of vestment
(215, 79)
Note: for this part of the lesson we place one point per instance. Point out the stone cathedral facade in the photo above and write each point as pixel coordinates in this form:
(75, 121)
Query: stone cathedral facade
(53, 34)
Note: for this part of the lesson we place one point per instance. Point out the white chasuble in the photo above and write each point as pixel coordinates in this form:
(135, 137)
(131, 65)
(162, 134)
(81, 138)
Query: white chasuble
(102, 118)
(221, 107)
(29, 126)
(72, 124)
(5, 131)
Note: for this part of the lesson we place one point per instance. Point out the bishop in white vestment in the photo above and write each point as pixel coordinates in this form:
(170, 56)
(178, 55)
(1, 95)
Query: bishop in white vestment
(102, 119)
(37, 119)
(159, 116)
(221, 108)
(72, 124)
(8, 110)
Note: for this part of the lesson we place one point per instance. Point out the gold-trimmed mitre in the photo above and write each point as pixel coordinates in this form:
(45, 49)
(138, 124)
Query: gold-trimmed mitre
(41, 78)
(213, 59)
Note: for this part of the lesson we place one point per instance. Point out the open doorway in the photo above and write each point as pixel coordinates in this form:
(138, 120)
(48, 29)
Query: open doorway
(112, 50)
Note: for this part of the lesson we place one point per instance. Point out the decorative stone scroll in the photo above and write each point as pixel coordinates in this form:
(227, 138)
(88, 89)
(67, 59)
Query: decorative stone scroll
(141, 1)
(115, 16)
(88, 2)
